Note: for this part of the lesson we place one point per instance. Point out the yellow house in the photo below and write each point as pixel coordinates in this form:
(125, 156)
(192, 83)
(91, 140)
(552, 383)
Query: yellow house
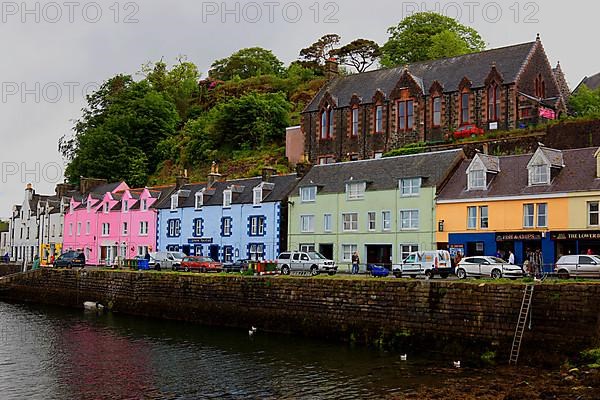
(546, 201)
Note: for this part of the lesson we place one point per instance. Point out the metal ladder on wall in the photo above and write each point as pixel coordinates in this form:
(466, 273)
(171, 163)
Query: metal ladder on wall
(525, 305)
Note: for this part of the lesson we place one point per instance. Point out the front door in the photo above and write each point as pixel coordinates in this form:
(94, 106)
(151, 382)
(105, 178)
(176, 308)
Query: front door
(326, 250)
(380, 255)
(214, 252)
(186, 249)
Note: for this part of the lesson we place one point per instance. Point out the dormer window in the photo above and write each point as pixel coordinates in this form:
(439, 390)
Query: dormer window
(257, 196)
(539, 174)
(356, 190)
(199, 200)
(89, 206)
(410, 186)
(174, 202)
(125, 206)
(144, 205)
(477, 179)
(106, 206)
(308, 194)
(227, 198)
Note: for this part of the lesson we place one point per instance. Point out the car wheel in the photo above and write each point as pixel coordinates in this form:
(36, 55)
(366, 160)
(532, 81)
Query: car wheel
(444, 275)
(562, 274)
(398, 274)
(203, 270)
(314, 270)
(285, 270)
(157, 267)
(429, 274)
(174, 268)
(186, 269)
(496, 274)
(461, 273)
(331, 273)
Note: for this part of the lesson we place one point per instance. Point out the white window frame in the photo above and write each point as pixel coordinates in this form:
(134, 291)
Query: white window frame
(70, 230)
(78, 228)
(106, 206)
(88, 228)
(471, 218)
(308, 194)
(144, 204)
(543, 224)
(144, 228)
(539, 174)
(174, 202)
(406, 248)
(125, 229)
(528, 217)
(590, 213)
(371, 221)
(411, 219)
(307, 223)
(227, 198)
(410, 187)
(350, 225)
(105, 229)
(227, 222)
(327, 222)
(481, 217)
(257, 226)
(347, 250)
(125, 206)
(198, 227)
(199, 200)
(257, 195)
(355, 190)
(477, 179)
(386, 220)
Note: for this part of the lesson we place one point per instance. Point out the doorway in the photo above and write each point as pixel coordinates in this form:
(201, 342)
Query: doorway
(214, 252)
(380, 254)
(326, 250)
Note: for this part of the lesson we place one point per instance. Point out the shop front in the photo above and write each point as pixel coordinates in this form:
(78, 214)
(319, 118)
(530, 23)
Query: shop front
(575, 242)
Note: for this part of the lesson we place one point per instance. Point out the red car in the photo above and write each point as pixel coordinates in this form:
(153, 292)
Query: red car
(466, 131)
(202, 264)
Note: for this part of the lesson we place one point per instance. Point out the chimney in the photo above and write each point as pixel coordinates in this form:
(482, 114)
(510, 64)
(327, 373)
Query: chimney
(181, 180)
(302, 169)
(62, 189)
(87, 184)
(30, 191)
(331, 68)
(214, 175)
(486, 148)
(267, 172)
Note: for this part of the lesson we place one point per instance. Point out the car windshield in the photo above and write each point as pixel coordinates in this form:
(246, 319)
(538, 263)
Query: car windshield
(316, 256)
(178, 255)
(205, 259)
(497, 260)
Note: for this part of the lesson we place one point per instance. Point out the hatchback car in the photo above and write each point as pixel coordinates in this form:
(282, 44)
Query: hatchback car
(466, 131)
(238, 266)
(484, 266)
(202, 264)
(70, 259)
(578, 265)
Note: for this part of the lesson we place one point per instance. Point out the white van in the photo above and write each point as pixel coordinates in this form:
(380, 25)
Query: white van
(429, 263)
(166, 260)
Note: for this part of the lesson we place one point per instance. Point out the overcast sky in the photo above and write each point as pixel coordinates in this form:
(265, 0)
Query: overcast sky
(53, 52)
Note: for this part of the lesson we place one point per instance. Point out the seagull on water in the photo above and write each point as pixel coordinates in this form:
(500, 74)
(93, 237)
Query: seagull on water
(456, 364)
(403, 357)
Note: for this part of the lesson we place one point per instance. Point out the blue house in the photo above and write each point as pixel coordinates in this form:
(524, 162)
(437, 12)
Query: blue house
(227, 220)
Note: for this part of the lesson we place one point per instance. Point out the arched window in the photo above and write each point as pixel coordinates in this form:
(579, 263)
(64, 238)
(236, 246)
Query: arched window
(493, 98)
(331, 121)
(354, 122)
(327, 121)
(540, 87)
(464, 108)
(324, 126)
(406, 110)
(436, 106)
(378, 118)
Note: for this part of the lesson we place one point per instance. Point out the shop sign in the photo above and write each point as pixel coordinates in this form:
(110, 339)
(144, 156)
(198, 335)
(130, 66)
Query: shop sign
(512, 236)
(580, 235)
(200, 240)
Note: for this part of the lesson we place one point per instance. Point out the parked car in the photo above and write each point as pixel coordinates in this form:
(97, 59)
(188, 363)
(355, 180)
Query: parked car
(578, 265)
(378, 271)
(467, 130)
(428, 263)
(238, 266)
(493, 267)
(70, 259)
(309, 261)
(200, 263)
(166, 260)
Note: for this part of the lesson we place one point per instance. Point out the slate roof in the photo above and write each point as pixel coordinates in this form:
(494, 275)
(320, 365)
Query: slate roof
(592, 82)
(384, 173)
(491, 163)
(555, 157)
(447, 71)
(283, 185)
(579, 174)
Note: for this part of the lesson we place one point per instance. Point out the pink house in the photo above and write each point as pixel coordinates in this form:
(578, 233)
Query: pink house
(117, 224)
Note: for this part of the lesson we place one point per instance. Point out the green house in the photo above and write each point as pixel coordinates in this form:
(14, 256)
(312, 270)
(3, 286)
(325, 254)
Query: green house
(382, 208)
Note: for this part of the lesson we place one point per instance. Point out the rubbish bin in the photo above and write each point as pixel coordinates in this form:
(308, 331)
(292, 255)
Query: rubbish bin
(143, 265)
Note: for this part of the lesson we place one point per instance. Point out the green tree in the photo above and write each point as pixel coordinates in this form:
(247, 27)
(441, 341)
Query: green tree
(317, 53)
(447, 44)
(585, 102)
(246, 63)
(359, 54)
(413, 38)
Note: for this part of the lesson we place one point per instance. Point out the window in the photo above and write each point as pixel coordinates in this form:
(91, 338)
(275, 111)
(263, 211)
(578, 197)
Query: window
(409, 219)
(477, 179)
(540, 87)
(144, 205)
(539, 174)
(256, 251)
(372, 221)
(327, 222)
(125, 230)
(406, 249)
(198, 225)
(493, 103)
(542, 215)
(227, 254)
(143, 228)
(593, 213)
(199, 200)
(355, 121)
(125, 206)
(106, 205)
(348, 250)
(464, 108)
(174, 201)
(437, 111)
(410, 186)
(528, 215)
(105, 229)
(89, 206)
(379, 119)
(226, 227)
(307, 247)
(257, 226)
(377, 155)
(174, 228)
(471, 217)
(70, 230)
(386, 220)
(60, 232)
(326, 160)
(483, 217)
(226, 198)
(350, 222)
(331, 122)
(307, 223)
(78, 228)
(405, 115)
(356, 191)
(257, 196)
(324, 126)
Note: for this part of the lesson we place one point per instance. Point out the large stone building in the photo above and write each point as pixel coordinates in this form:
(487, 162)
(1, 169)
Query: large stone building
(364, 115)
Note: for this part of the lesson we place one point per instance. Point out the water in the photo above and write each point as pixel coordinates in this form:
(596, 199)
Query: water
(54, 353)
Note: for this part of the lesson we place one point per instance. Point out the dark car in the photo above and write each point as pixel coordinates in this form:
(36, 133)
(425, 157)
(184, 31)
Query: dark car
(238, 266)
(70, 259)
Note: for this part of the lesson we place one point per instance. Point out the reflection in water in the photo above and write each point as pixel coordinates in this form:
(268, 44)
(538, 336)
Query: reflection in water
(53, 353)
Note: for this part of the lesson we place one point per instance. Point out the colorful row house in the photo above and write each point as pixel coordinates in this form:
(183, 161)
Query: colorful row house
(546, 202)
(113, 223)
(381, 208)
(227, 220)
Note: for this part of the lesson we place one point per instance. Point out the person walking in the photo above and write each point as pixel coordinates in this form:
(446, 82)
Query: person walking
(355, 263)
(511, 257)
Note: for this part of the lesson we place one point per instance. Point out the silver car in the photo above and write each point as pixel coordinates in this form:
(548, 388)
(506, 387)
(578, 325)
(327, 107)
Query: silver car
(486, 266)
(309, 261)
(578, 265)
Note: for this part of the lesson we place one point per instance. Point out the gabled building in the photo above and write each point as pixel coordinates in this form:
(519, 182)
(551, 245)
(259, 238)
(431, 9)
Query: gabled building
(547, 201)
(227, 220)
(383, 209)
(364, 115)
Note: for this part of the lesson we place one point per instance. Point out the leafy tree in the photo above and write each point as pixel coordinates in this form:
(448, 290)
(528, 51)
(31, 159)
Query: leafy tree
(413, 38)
(447, 44)
(317, 53)
(246, 63)
(585, 102)
(360, 54)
